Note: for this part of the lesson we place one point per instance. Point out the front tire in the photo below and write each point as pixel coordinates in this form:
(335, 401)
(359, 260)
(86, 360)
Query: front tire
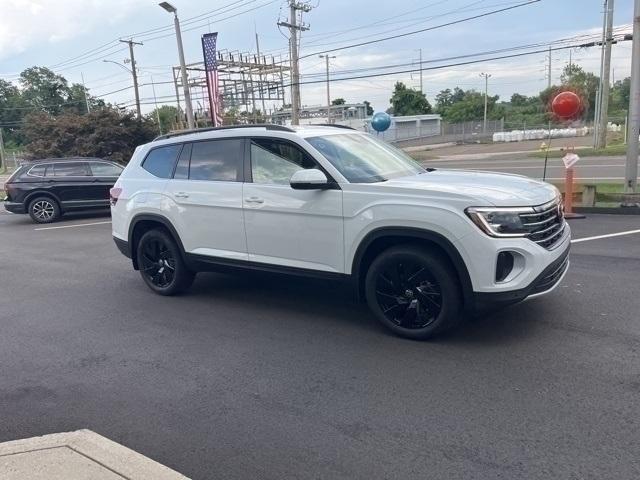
(44, 210)
(161, 264)
(413, 292)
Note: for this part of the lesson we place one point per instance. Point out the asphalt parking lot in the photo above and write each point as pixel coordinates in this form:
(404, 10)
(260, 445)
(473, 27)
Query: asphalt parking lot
(260, 376)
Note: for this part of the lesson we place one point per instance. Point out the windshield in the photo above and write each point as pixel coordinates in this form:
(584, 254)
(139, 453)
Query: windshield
(363, 158)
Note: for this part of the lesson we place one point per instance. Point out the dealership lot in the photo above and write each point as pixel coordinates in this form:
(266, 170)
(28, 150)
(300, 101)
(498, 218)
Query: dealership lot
(260, 376)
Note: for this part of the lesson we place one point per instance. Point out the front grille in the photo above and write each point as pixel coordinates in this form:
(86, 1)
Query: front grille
(546, 225)
(549, 280)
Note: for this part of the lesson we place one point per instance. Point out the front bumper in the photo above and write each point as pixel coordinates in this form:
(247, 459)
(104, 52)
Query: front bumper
(15, 207)
(544, 283)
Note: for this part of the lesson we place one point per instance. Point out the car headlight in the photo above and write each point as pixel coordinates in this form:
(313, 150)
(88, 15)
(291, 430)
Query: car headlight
(500, 222)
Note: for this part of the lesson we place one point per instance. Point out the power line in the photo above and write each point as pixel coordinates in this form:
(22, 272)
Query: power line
(447, 24)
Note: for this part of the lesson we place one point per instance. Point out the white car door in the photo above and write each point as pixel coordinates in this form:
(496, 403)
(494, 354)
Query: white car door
(206, 198)
(287, 227)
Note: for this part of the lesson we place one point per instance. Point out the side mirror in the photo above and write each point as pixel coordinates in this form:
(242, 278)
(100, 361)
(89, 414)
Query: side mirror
(311, 179)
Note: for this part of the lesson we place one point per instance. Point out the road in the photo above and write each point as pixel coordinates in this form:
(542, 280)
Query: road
(267, 377)
(588, 169)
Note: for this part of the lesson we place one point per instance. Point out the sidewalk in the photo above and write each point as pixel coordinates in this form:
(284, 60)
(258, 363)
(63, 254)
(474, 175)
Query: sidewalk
(80, 455)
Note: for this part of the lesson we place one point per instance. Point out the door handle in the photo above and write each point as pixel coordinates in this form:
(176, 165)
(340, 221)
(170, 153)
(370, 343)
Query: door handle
(181, 195)
(254, 200)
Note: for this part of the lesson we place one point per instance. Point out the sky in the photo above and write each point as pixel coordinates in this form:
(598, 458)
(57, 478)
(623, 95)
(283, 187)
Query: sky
(74, 37)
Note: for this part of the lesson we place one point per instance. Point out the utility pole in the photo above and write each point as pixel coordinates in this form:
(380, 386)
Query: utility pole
(601, 140)
(84, 88)
(327, 57)
(294, 28)
(596, 116)
(631, 170)
(175, 84)
(486, 91)
(570, 65)
(549, 68)
(421, 85)
(135, 74)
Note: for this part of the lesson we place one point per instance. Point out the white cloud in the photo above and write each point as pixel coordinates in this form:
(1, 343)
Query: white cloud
(26, 23)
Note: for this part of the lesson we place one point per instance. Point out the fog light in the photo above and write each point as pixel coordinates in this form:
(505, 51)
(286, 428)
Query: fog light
(504, 266)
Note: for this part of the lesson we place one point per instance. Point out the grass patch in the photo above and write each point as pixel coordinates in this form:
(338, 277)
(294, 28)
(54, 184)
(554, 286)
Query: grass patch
(610, 150)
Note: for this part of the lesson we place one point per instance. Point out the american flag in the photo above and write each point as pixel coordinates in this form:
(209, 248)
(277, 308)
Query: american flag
(211, 69)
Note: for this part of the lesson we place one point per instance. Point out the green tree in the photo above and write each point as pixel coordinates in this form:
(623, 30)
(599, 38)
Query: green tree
(168, 117)
(409, 101)
(104, 133)
(44, 90)
(338, 101)
(444, 100)
(584, 84)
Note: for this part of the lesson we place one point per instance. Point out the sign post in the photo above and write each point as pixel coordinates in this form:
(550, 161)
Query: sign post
(569, 160)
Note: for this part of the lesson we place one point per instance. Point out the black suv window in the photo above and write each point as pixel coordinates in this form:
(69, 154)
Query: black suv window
(219, 160)
(102, 169)
(273, 161)
(39, 170)
(161, 161)
(71, 169)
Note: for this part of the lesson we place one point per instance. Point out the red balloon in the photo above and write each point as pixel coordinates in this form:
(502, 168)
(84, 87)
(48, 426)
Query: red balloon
(566, 105)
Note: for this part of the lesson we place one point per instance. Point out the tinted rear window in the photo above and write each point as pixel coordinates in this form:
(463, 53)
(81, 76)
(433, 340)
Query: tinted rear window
(100, 169)
(37, 170)
(71, 169)
(219, 160)
(160, 161)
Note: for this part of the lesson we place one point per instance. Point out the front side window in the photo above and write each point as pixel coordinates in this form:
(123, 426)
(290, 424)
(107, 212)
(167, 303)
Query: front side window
(160, 161)
(364, 159)
(100, 169)
(217, 160)
(71, 169)
(273, 161)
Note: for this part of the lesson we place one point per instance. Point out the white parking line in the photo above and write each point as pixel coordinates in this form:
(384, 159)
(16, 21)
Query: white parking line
(608, 235)
(73, 226)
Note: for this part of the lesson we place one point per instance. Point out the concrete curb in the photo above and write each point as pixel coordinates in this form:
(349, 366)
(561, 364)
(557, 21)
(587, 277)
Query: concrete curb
(608, 210)
(78, 455)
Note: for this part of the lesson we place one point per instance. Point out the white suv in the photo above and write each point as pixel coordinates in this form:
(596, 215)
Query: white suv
(422, 246)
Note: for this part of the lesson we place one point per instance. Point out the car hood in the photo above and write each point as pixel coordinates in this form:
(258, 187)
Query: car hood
(482, 188)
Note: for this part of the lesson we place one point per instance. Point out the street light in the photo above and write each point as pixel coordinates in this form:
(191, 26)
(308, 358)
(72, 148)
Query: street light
(183, 69)
(135, 83)
(327, 57)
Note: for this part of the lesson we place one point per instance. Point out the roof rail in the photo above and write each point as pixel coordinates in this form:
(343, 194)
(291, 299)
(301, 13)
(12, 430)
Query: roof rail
(268, 126)
(335, 125)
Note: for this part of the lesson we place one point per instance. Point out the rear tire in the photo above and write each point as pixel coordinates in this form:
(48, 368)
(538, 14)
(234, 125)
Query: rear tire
(161, 264)
(44, 210)
(413, 292)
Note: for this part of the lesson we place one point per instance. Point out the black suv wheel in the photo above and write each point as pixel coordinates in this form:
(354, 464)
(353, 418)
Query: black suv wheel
(161, 264)
(44, 210)
(413, 292)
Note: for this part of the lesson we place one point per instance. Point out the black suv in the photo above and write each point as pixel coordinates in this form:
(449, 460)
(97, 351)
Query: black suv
(49, 188)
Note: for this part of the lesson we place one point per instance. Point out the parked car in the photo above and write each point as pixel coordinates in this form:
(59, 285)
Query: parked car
(422, 246)
(49, 188)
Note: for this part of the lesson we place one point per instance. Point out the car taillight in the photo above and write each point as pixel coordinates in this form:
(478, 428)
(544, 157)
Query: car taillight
(114, 194)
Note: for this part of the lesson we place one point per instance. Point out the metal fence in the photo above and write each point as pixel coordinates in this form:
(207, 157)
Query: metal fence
(465, 132)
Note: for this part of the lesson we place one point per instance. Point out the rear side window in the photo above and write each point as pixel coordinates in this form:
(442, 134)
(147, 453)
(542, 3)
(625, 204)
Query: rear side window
(100, 169)
(161, 161)
(71, 169)
(218, 160)
(182, 168)
(39, 171)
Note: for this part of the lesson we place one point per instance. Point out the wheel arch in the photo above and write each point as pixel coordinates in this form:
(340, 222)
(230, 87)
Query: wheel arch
(382, 238)
(144, 222)
(31, 196)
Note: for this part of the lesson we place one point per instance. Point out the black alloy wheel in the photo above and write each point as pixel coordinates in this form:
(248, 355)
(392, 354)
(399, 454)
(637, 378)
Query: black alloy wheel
(408, 294)
(161, 264)
(44, 210)
(413, 292)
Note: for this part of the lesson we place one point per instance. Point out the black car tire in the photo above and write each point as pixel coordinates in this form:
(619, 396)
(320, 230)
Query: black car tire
(413, 292)
(44, 210)
(161, 264)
